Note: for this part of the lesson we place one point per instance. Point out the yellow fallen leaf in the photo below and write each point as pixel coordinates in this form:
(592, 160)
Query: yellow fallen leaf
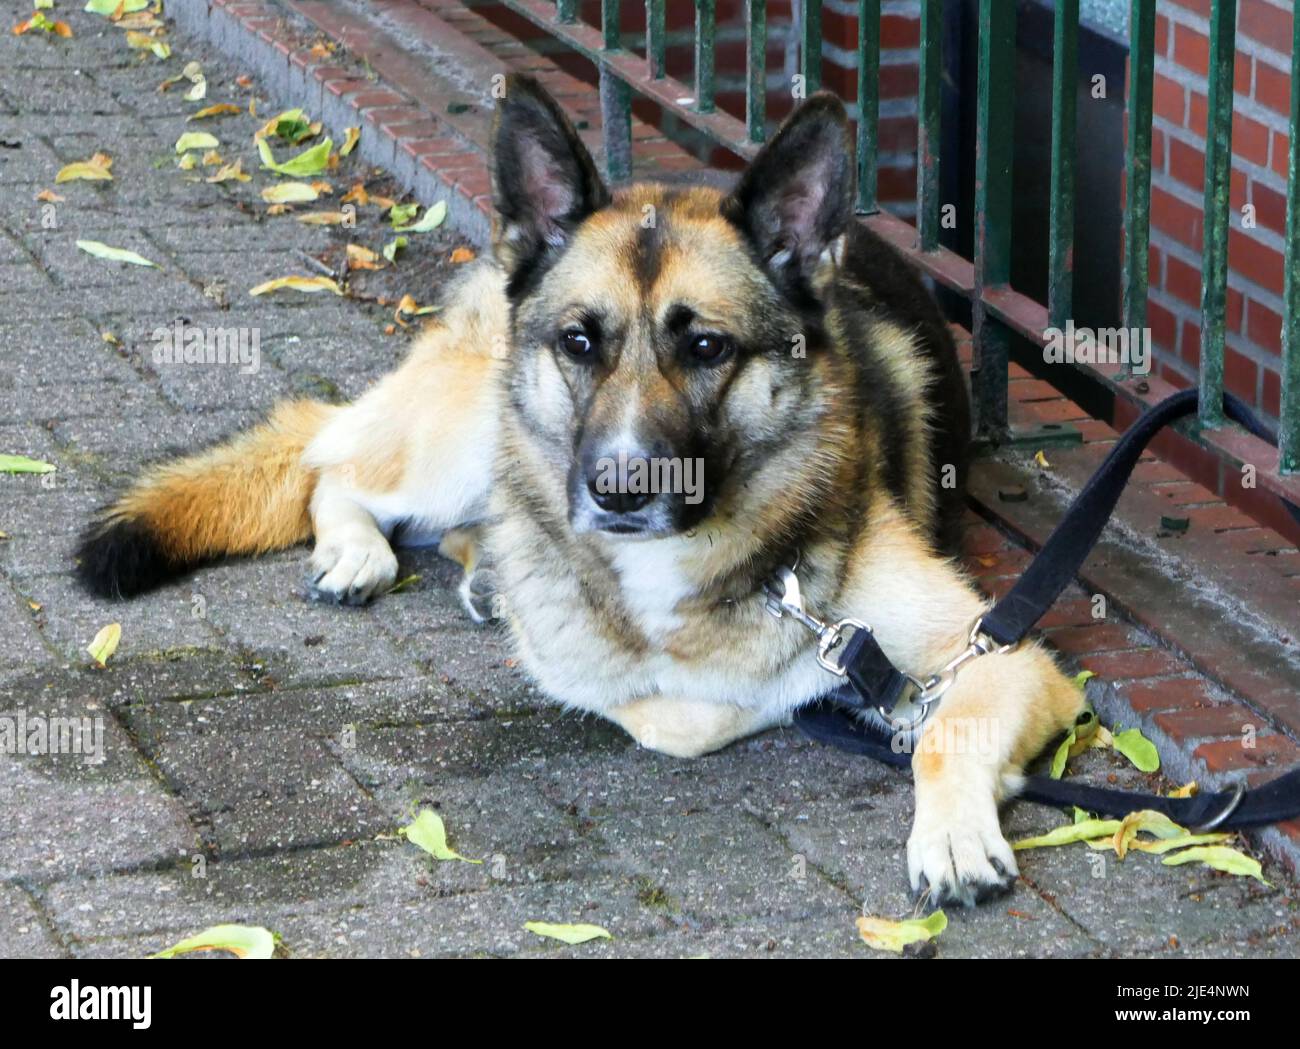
(431, 220)
(1041, 460)
(21, 464)
(1071, 832)
(356, 195)
(103, 251)
(109, 8)
(570, 934)
(290, 193)
(148, 42)
(307, 284)
(192, 72)
(49, 196)
(393, 247)
(326, 218)
(1221, 858)
(105, 643)
(96, 168)
(1155, 823)
(228, 172)
(219, 110)
(243, 941)
(139, 20)
(289, 115)
(1188, 790)
(1162, 845)
(309, 162)
(196, 140)
(427, 831)
(188, 162)
(278, 209)
(360, 258)
(407, 305)
(350, 138)
(885, 935)
(39, 21)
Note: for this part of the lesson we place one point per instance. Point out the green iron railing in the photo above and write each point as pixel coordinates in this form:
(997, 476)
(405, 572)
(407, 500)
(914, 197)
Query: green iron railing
(999, 313)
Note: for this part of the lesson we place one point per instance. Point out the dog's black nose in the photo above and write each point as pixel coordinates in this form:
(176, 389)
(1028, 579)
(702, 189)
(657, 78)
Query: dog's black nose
(615, 492)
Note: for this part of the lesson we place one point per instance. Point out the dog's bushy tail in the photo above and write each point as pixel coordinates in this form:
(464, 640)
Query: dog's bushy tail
(248, 495)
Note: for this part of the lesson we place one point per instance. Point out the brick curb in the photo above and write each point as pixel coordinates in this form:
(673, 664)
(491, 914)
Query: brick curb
(1196, 724)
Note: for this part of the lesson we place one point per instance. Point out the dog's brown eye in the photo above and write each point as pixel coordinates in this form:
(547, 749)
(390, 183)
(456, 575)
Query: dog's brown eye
(575, 344)
(709, 349)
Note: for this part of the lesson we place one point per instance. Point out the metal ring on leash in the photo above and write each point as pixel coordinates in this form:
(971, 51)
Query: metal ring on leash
(1238, 792)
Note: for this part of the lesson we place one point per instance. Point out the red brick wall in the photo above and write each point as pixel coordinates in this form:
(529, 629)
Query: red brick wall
(1262, 103)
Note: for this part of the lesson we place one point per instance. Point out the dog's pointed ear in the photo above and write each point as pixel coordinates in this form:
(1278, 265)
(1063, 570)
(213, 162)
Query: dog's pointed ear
(544, 182)
(795, 200)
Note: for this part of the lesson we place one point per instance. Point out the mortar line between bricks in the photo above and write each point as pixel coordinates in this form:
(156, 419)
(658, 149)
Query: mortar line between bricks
(1053, 901)
(43, 914)
(840, 884)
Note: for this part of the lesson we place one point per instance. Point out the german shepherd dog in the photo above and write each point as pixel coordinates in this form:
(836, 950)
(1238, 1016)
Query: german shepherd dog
(761, 337)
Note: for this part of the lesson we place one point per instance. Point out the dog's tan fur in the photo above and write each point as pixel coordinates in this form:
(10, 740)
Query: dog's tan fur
(669, 637)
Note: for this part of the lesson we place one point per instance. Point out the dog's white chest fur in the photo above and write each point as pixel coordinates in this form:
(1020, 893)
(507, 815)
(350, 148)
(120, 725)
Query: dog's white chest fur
(652, 583)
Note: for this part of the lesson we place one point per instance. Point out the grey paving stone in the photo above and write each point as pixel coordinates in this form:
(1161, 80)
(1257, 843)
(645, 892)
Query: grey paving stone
(43, 526)
(76, 821)
(24, 648)
(25, 158)
(61, 91)
(61, 352)
(258, 607)
(152, 625)
(253, 792)
(23, 929)
(122, 445)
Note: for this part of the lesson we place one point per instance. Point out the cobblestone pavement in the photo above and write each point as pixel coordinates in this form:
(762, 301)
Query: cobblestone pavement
(260, 751)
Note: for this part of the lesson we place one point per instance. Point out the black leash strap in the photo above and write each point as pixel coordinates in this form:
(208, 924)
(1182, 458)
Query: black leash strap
(831, 721)
(877, 683)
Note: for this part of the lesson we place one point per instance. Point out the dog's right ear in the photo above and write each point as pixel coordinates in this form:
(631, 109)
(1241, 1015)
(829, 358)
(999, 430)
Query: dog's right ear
(544, 182)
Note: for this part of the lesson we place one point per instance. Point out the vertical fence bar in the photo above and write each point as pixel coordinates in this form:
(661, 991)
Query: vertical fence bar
(1218, 182)
(1137, 162)
(756, 69)
(868, 105)
(810, 44)
(1065, 76)
(655, 30)
(615, 100)
(994, 131)
(611, 12)
(1288, 441)
(566, 11)
(706, 33)
(927, 161)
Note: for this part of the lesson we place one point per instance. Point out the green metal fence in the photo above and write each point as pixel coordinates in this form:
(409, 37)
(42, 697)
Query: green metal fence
(999, 313)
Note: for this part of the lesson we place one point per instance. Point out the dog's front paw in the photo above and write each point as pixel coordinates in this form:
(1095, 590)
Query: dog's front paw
(351, 573)
(960, 857)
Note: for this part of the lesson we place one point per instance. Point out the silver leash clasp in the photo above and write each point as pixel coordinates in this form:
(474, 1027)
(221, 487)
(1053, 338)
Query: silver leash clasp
(784, 598)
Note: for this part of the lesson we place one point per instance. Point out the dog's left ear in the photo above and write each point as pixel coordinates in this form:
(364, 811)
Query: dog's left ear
(544, 182)
(795, 201)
